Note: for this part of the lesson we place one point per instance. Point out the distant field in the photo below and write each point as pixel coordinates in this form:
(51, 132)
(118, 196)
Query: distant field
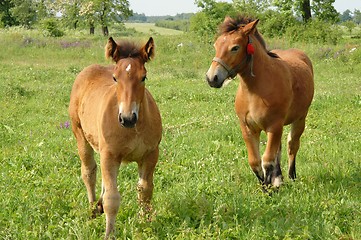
(150, 28)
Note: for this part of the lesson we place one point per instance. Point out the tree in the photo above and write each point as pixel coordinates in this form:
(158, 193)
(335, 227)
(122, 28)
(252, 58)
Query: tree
(112, 11)
(23, 12)
(346, 16)
(205, 23)
(6, 19)
(299, 7)
(252, 7)
(350, 25)
(322, 9)
(136, 17)
(70, 11)
(104, 12)
(41, 10)
(285, 6)
(88, 11)
(305, 10)
(325, 11)
(357, 16)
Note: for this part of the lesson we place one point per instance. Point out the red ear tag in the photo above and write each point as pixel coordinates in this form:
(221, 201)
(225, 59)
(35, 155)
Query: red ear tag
(250, 49)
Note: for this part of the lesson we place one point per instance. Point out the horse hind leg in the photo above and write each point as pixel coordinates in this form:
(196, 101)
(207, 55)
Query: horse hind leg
(88, 164)
(277, 174)
(293, 142)
(99, 209)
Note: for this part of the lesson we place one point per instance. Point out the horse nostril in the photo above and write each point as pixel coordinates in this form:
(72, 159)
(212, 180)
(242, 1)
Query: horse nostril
(135, 117)
(215, 78)
(128, 122)
(120, 118)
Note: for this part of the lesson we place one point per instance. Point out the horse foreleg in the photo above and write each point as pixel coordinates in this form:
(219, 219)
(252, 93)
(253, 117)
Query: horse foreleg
(251, 139)
(271, 159)
(146, 169)
(293, 142)
(111, 196)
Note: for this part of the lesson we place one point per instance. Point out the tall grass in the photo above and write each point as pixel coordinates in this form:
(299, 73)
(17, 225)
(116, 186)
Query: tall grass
(204, 188)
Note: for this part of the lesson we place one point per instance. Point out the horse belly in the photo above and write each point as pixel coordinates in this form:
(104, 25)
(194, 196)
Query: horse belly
(88, 115)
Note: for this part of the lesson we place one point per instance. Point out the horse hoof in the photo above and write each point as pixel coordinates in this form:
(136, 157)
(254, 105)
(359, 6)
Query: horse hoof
(277, 181)
(99, 210)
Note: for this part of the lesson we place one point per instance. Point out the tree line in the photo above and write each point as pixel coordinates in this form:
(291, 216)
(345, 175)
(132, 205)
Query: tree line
(293, 18)
(71, 13)
(305, 20)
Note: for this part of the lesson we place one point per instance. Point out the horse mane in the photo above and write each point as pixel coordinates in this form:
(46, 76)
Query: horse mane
(233, 24)
(127, 49)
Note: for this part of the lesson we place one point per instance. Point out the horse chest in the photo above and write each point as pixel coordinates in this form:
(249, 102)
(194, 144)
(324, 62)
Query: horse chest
(257, 112)
(128, 145)
(134, 150)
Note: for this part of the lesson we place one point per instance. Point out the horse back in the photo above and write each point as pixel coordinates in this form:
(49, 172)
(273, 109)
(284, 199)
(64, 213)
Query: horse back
(300, 70)
(90, 82)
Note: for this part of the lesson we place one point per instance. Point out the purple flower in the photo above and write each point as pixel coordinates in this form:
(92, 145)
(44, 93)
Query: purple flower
(67, 124)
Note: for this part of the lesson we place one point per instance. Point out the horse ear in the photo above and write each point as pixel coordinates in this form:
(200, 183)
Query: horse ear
(227, 19)
(110, 50)
(250, 27)
(148, 49)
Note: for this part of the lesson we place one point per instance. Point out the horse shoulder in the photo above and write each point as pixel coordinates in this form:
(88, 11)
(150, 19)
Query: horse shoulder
(153, 115)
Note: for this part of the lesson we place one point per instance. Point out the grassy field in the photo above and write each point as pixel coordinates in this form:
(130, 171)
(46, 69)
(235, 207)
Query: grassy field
(204, 188)
(150, 28)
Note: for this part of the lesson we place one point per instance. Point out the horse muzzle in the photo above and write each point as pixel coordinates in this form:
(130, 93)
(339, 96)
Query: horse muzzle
(128, 118)
(214, 82)
(216, 77)
(128, 121)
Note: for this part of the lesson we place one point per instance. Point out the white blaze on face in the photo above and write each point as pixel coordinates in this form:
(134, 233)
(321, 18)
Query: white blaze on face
(134, 108)
(128, 68)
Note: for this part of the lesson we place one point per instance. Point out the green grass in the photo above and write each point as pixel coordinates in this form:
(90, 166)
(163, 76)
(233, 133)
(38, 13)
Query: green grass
(204, 188)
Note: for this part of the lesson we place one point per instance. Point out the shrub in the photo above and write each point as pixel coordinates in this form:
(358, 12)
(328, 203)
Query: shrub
(275, 24)
(314, 31)
(181, 25)
(50, 28)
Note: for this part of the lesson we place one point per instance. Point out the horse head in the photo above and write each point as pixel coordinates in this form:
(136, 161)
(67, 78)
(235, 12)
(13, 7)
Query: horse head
(129, 74)
(234, 51)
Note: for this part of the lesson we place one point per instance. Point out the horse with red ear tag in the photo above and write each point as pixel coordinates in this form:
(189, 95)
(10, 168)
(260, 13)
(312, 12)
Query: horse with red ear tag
(276, 89)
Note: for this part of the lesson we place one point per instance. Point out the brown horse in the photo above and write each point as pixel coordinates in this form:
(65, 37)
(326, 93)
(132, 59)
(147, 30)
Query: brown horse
(113, 113)
(276, 89)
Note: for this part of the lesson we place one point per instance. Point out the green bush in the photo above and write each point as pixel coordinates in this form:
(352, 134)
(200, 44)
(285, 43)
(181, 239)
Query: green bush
(315, 31)
(274, 24)
(50, 28)
(182, 25)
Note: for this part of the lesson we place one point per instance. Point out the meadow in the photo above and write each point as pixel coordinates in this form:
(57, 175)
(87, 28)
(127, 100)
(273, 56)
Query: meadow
(204, 188)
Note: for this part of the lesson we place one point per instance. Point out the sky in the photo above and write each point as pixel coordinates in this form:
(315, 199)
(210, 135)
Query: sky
(172, 7)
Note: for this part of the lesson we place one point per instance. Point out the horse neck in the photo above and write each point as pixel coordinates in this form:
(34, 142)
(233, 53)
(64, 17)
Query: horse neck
(144, 108)
(260, 60)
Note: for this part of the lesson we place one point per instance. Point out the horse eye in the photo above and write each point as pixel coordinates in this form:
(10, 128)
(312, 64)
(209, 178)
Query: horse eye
(115, 80)
(235, 48)
(144, 78)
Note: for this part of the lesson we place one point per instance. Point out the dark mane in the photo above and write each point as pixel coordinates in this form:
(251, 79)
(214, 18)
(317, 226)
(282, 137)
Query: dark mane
(127, 49)
(233, 24)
